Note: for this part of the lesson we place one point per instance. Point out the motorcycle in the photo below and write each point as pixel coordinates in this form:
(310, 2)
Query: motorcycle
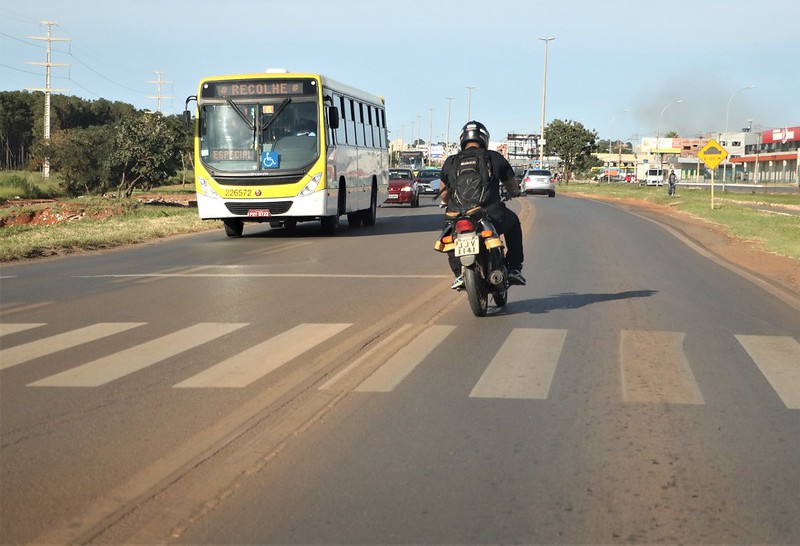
(476, 243)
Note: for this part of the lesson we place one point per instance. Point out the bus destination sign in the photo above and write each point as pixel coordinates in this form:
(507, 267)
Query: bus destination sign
(257, 88)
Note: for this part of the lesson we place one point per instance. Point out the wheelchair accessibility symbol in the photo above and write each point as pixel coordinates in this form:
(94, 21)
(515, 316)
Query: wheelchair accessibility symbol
(269, 160)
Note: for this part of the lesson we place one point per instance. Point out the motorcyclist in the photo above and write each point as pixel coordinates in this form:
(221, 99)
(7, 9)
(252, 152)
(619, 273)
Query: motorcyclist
(475, 135)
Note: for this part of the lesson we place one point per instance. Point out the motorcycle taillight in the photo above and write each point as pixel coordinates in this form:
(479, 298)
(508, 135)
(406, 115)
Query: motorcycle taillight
(464, 225)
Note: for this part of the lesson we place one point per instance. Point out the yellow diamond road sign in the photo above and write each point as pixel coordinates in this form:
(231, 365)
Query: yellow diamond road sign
(712, 154)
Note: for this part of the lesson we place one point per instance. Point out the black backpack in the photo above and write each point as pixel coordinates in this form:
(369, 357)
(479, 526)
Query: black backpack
(469, 179)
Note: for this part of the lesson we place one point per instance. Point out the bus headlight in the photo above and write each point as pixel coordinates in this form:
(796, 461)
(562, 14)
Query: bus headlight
(208, 191)
(311, 187)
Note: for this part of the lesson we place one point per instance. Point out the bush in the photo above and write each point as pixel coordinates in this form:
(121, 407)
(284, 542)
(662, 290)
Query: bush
(15, 185)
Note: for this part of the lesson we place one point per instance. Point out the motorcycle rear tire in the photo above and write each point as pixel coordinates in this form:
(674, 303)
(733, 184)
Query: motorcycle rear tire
(500, 298)
(477, 294)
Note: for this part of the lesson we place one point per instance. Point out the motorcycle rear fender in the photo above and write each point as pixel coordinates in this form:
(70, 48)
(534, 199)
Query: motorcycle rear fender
(468, 260)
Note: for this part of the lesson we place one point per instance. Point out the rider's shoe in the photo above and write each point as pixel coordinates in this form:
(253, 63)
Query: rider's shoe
(515, 277)
(458, 283)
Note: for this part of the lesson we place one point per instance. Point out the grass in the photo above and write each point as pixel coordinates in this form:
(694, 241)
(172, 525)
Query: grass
(96, 223)
(750, 216)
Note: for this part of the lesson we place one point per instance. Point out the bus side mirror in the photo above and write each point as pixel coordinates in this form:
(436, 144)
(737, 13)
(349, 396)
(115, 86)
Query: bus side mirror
(187, 118)
(333, 117)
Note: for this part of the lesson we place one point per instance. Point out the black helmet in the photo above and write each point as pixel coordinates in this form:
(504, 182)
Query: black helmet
(474, 131)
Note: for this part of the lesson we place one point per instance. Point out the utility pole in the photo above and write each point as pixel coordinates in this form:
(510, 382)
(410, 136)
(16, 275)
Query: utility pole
(158, 96)
(449, 104)
(546, 41)
(47, 89)
(430, 136)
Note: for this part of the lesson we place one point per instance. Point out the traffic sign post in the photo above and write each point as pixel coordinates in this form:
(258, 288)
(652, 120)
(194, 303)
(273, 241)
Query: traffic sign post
(712, 155)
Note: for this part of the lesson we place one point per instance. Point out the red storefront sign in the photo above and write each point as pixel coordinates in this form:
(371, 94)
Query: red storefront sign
(786, 134)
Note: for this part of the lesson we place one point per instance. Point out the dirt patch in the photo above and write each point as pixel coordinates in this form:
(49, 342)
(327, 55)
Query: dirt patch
(776, 269)
(46, 212)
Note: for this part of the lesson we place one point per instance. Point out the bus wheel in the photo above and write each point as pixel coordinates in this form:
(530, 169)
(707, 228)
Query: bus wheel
(330, 224)
(369, 215)
(354, 218)
(233, 227)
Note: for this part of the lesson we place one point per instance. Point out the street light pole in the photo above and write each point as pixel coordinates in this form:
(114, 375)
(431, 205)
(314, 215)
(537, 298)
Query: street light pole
(430, 135)
(727, 116)
(658, 134)
(544, 94)
(610, 141)
(449, 104)
(469, 102)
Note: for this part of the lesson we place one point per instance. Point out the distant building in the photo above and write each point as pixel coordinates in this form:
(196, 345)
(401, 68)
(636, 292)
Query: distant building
(772, 157)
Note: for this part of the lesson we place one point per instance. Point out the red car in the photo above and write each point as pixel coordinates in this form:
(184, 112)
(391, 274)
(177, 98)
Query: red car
(403, 188)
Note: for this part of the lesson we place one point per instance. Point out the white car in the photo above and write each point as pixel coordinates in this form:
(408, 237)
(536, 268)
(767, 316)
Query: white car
(538, 181)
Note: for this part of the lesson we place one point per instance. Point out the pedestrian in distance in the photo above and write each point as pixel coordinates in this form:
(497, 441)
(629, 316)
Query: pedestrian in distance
(672, 180)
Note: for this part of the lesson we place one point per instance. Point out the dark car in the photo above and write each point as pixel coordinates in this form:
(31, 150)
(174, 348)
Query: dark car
(402, 188)
(428, 180)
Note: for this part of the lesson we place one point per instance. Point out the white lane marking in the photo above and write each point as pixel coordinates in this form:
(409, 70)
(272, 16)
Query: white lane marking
(329, 384)
(6, 329)
(107, 369)
(42, 347)
(256, 362)
(655, 369)
(397, 368)
(524, 366)
(778, 358)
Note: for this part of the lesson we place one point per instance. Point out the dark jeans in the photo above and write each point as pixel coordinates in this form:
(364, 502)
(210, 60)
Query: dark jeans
(507, 224)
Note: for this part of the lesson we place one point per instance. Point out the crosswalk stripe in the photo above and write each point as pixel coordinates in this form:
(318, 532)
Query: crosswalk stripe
(107, 369)
(49, 345)
(6, 329)
(524, 366)
(256, 362)
(397, 368)
(778, 358)
(654, 368)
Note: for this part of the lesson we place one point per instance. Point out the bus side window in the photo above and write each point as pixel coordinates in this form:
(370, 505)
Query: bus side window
(368, 126)
(383, 128)
(355, 141)
(360, 124)
(341, 132)
(373, 125)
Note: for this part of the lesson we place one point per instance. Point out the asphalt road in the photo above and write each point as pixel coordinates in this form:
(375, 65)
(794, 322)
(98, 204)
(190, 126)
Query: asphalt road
(293, 388)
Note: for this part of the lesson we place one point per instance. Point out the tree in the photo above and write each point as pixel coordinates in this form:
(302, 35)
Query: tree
(82, 156)
(146, 152)
(571, 142)
(16, 128)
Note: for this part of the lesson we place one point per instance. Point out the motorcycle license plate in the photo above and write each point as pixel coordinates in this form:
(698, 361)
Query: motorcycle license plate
(467, 245)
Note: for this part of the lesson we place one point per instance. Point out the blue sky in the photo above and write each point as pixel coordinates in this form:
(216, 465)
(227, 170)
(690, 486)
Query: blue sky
(613, 66)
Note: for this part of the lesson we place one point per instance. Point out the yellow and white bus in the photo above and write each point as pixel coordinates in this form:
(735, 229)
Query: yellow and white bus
(284, 148)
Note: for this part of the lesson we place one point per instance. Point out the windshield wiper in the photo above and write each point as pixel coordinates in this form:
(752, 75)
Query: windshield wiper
(277, 113)
(250, 125)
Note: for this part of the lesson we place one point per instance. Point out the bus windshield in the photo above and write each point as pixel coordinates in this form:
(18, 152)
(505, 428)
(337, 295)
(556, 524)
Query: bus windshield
(259, 136)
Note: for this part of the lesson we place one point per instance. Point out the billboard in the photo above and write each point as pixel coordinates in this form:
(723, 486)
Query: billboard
(787, 134)
(661, 145)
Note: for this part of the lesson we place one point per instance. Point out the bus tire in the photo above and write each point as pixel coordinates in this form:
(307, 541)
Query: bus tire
(354, 219)
(233, 227)
(329, 224)
(368, 216)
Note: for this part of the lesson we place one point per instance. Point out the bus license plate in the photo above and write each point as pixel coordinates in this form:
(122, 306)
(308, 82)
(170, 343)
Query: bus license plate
(259, 213)
(467, 245)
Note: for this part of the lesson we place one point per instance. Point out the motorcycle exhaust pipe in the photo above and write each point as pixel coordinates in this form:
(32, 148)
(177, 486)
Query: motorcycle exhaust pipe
(496, 277)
